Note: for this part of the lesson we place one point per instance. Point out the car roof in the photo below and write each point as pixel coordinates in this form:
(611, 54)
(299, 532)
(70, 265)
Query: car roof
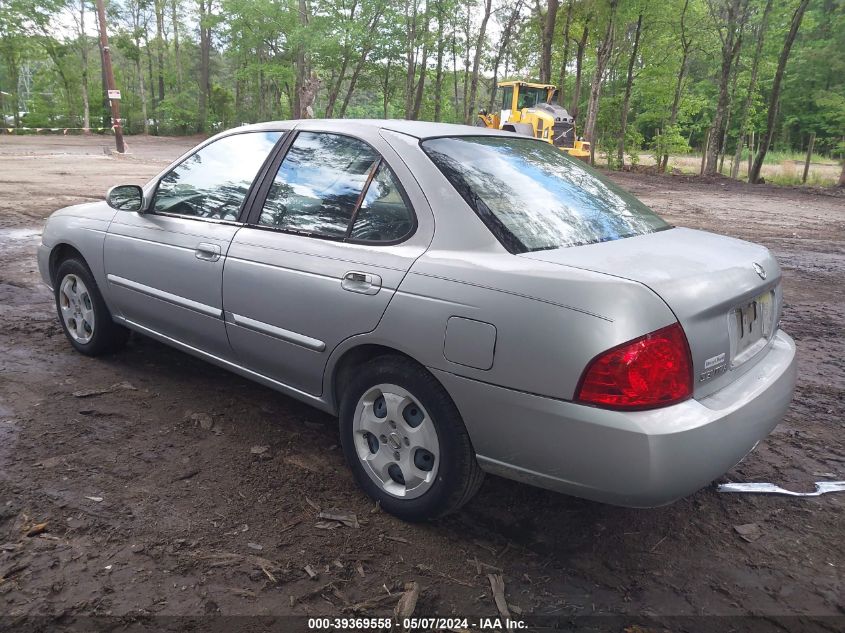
(417, 129)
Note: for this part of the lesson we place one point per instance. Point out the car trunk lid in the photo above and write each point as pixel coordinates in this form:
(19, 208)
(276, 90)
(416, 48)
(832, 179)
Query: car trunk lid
(724, 292)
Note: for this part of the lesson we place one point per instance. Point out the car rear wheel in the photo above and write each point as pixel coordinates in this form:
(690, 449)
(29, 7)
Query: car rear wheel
(85, 319)
(405, 441)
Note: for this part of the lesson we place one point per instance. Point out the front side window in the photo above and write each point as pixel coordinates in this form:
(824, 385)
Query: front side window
(533, 196)
(213, 182)
(319, 190)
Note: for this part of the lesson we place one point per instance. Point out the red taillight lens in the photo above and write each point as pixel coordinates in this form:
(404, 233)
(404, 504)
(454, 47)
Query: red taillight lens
(654, 370)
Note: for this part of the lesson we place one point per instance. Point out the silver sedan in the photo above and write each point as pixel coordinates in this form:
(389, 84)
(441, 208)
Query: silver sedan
(464, 300)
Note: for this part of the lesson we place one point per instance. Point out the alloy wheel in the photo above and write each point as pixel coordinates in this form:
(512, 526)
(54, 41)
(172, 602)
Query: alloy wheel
(77, 309)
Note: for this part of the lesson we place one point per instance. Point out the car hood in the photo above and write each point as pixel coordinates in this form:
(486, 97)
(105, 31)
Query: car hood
(97, 210)
(701, 276)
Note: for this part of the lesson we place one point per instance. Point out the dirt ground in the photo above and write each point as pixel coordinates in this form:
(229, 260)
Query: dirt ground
(156, 504)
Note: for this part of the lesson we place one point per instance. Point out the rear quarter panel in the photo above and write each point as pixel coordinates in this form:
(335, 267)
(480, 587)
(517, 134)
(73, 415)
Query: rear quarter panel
(549, 321)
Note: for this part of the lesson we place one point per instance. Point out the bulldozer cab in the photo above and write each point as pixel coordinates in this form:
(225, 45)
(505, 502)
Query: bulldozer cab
(518, 95)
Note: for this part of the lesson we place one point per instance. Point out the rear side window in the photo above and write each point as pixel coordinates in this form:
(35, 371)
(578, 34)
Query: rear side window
(533, 196)
(338, 187)
(213, 182)
(383, 216)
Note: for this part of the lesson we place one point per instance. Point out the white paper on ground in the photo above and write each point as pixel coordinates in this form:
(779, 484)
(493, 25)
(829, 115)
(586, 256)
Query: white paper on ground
(764, 488)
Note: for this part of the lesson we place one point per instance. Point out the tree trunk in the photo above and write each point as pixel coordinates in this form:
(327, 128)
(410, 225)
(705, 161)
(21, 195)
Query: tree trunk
(142, 89)
(205, 62)
(142, 93)
(602, 57)
(410, 54)
(423, 66)
(148, 49)
(724, 143)
(467, 28)
(547, 36)
(752, 86)
(455, 65)
(174, 16)
(418, 94)
(476, 63)
(797, 16)
(386, 87)
(842, 176)
(301, 66)
(83, 51)
(579, 64)
(159, 11)
(620, 154)
(809, 158)
(335, 85)
(735, 12)
(679, 85)
(106, 104)
(562, 77)
(262, 85)
(438, 73)
(309, 93)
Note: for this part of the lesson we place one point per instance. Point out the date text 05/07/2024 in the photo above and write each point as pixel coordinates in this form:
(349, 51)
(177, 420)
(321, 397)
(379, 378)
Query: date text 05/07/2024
(410, 624)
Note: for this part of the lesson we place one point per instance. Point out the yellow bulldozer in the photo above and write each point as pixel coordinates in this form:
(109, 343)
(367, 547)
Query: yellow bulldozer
(527, 109)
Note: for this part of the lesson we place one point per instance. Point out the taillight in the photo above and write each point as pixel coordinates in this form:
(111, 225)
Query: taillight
(654, 370)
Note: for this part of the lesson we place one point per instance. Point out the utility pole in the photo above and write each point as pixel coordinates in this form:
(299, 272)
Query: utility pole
(107, 69)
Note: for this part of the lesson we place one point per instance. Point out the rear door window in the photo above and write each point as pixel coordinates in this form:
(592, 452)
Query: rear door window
(533, 196)
(319, 184)
(337, 187)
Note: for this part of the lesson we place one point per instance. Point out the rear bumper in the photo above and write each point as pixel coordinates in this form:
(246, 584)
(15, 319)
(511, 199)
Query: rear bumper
(637, 459)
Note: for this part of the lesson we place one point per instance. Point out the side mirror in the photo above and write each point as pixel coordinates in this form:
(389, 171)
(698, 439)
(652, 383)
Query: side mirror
(126, 198)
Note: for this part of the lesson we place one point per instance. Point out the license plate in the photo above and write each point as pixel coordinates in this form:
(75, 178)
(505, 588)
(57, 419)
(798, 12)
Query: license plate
(751, 327)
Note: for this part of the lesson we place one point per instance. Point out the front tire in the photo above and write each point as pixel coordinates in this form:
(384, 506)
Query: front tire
(83, 313)
(405, 442)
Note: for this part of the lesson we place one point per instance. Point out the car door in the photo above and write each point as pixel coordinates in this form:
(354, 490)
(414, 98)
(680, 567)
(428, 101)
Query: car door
(165, 266)
(330, 238)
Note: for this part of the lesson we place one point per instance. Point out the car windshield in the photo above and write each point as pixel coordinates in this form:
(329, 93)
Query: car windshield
(533, 196)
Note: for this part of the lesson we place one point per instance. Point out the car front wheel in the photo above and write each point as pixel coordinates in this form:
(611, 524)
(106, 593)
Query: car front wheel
(83, 313)
(405, 441)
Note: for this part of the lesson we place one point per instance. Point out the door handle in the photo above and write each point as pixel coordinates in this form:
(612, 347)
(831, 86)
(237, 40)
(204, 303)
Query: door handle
(207, 252)
(363, 283)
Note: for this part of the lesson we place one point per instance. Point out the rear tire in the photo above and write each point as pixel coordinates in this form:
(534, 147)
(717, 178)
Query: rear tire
(405, 442)
(85, 318)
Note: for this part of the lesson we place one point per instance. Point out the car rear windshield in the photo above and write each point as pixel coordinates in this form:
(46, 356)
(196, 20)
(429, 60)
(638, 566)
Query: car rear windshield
(533, 196)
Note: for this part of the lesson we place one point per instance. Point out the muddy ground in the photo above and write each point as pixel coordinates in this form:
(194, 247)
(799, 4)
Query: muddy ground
(155, 504)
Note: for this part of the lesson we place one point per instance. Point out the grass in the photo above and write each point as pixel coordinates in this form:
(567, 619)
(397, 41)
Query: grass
(780, 168)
